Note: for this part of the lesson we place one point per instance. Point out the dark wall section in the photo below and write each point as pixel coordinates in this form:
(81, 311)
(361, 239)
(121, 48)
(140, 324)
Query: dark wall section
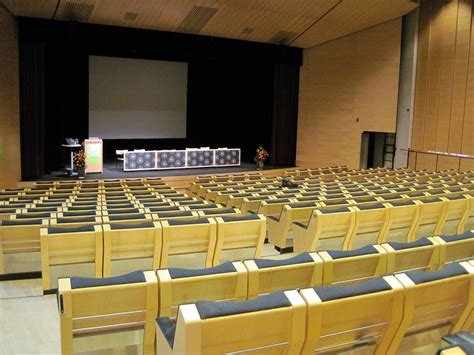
(240, 94)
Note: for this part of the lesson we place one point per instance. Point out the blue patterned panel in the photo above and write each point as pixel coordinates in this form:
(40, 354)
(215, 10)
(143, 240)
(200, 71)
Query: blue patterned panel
(171, 159)
(228, 157)
(200, 158)
(139, 160)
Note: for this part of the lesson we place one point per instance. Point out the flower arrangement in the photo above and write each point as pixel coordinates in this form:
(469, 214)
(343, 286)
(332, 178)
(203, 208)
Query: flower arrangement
(261, 155)
(79, 159)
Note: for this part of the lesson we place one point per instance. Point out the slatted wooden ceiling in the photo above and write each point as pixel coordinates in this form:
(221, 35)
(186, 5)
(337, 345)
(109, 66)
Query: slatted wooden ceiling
(300, 23)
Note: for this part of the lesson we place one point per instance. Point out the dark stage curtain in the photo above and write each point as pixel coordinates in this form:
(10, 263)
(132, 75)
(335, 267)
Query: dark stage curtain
(285, 114)
(32, 101)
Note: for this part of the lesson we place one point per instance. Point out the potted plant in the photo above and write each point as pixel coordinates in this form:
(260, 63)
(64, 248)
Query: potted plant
(260, 157)
(80, 163)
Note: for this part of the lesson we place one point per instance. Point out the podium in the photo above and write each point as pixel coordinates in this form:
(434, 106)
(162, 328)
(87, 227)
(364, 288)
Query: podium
(93, 152)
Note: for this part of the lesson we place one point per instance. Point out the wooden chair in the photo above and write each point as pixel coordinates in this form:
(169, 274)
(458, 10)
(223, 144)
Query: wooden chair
(186, 237)
(324, 223)
(238, 233)
(63, 246)
(341, 266)
(267, 275)
(20, 236)
(131, 241)
(404, 215)
(422, 254)
(271, 324)
(456, 247)
(279, 227)
(339, 318)
(444, 297)
(179, 286)
(432, 216)
(373, 218)
(89, 306)
(457, 212)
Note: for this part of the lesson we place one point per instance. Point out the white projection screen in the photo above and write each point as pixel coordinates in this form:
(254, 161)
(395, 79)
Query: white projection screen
(137, 98)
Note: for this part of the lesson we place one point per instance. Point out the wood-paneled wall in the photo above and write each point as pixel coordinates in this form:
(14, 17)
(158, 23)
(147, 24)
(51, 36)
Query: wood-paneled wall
(444, 93)
(9, 101)
(347, 86)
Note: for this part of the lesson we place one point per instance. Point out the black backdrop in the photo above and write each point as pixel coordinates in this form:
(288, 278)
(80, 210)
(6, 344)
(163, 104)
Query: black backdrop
(240, 94)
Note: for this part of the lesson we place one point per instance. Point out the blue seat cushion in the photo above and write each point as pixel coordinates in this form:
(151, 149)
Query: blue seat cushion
(336, 202)
(125, 217)
(365, 199)
(301, 224)
(431, 200)
(335, 210)
(178, 222)
(168, 328)
(273, 300)
(220, 211)
(123, 211)
(302, 205)
(78, 214)
(339, 254)
(164, 208)
(240, 218)
(403, 203)
(371, 207)
(76, 220)
(10, 222)
(458, 197)
(40, 210)
(329, 293)
(88, 228)
(456, 237)
(422, 242)
(453, 269)
(203, 206)
(8, 210)
(177, 273)
(36, 215)
(175, 214)
(132, 226)
(84, 282)
(298, 259)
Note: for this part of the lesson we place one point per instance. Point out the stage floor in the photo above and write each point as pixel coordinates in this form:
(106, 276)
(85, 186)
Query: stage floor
(112, 171)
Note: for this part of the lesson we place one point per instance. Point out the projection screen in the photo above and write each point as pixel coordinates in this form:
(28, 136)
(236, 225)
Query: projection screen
(137, 98)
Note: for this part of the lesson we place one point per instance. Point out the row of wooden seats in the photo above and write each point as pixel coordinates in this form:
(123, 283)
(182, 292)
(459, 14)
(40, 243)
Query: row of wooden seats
(102, 244)
(315, 171)
(261, 203)
(325, 319)
(228, 281)
(310, 222)
(396, 176)
(232, 197)
(386, 175)
(426, 216)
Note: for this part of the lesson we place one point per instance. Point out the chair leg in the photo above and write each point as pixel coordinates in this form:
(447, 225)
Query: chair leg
(66, 336)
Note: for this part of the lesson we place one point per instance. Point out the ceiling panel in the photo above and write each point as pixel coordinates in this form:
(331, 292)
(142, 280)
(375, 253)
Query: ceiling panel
(349, 16)
(301, 23)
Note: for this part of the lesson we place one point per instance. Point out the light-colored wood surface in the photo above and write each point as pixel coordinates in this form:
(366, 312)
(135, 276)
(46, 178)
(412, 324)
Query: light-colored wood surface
(347, 86)
(302, 23)
(9, 101)
(444, 94)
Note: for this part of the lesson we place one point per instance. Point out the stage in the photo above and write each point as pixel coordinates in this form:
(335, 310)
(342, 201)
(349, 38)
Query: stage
(114, 171)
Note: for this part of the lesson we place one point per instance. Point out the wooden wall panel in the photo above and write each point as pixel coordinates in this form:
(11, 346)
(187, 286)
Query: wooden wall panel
(347, 86)
(444, 89)
(9, 101)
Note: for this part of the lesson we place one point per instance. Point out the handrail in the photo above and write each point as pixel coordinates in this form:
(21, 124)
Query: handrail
(437, 154)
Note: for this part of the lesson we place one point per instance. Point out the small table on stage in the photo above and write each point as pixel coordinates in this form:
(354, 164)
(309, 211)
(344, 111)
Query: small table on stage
(71, 167)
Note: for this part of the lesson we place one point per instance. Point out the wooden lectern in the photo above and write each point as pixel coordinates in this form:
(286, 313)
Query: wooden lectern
(93, 151)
